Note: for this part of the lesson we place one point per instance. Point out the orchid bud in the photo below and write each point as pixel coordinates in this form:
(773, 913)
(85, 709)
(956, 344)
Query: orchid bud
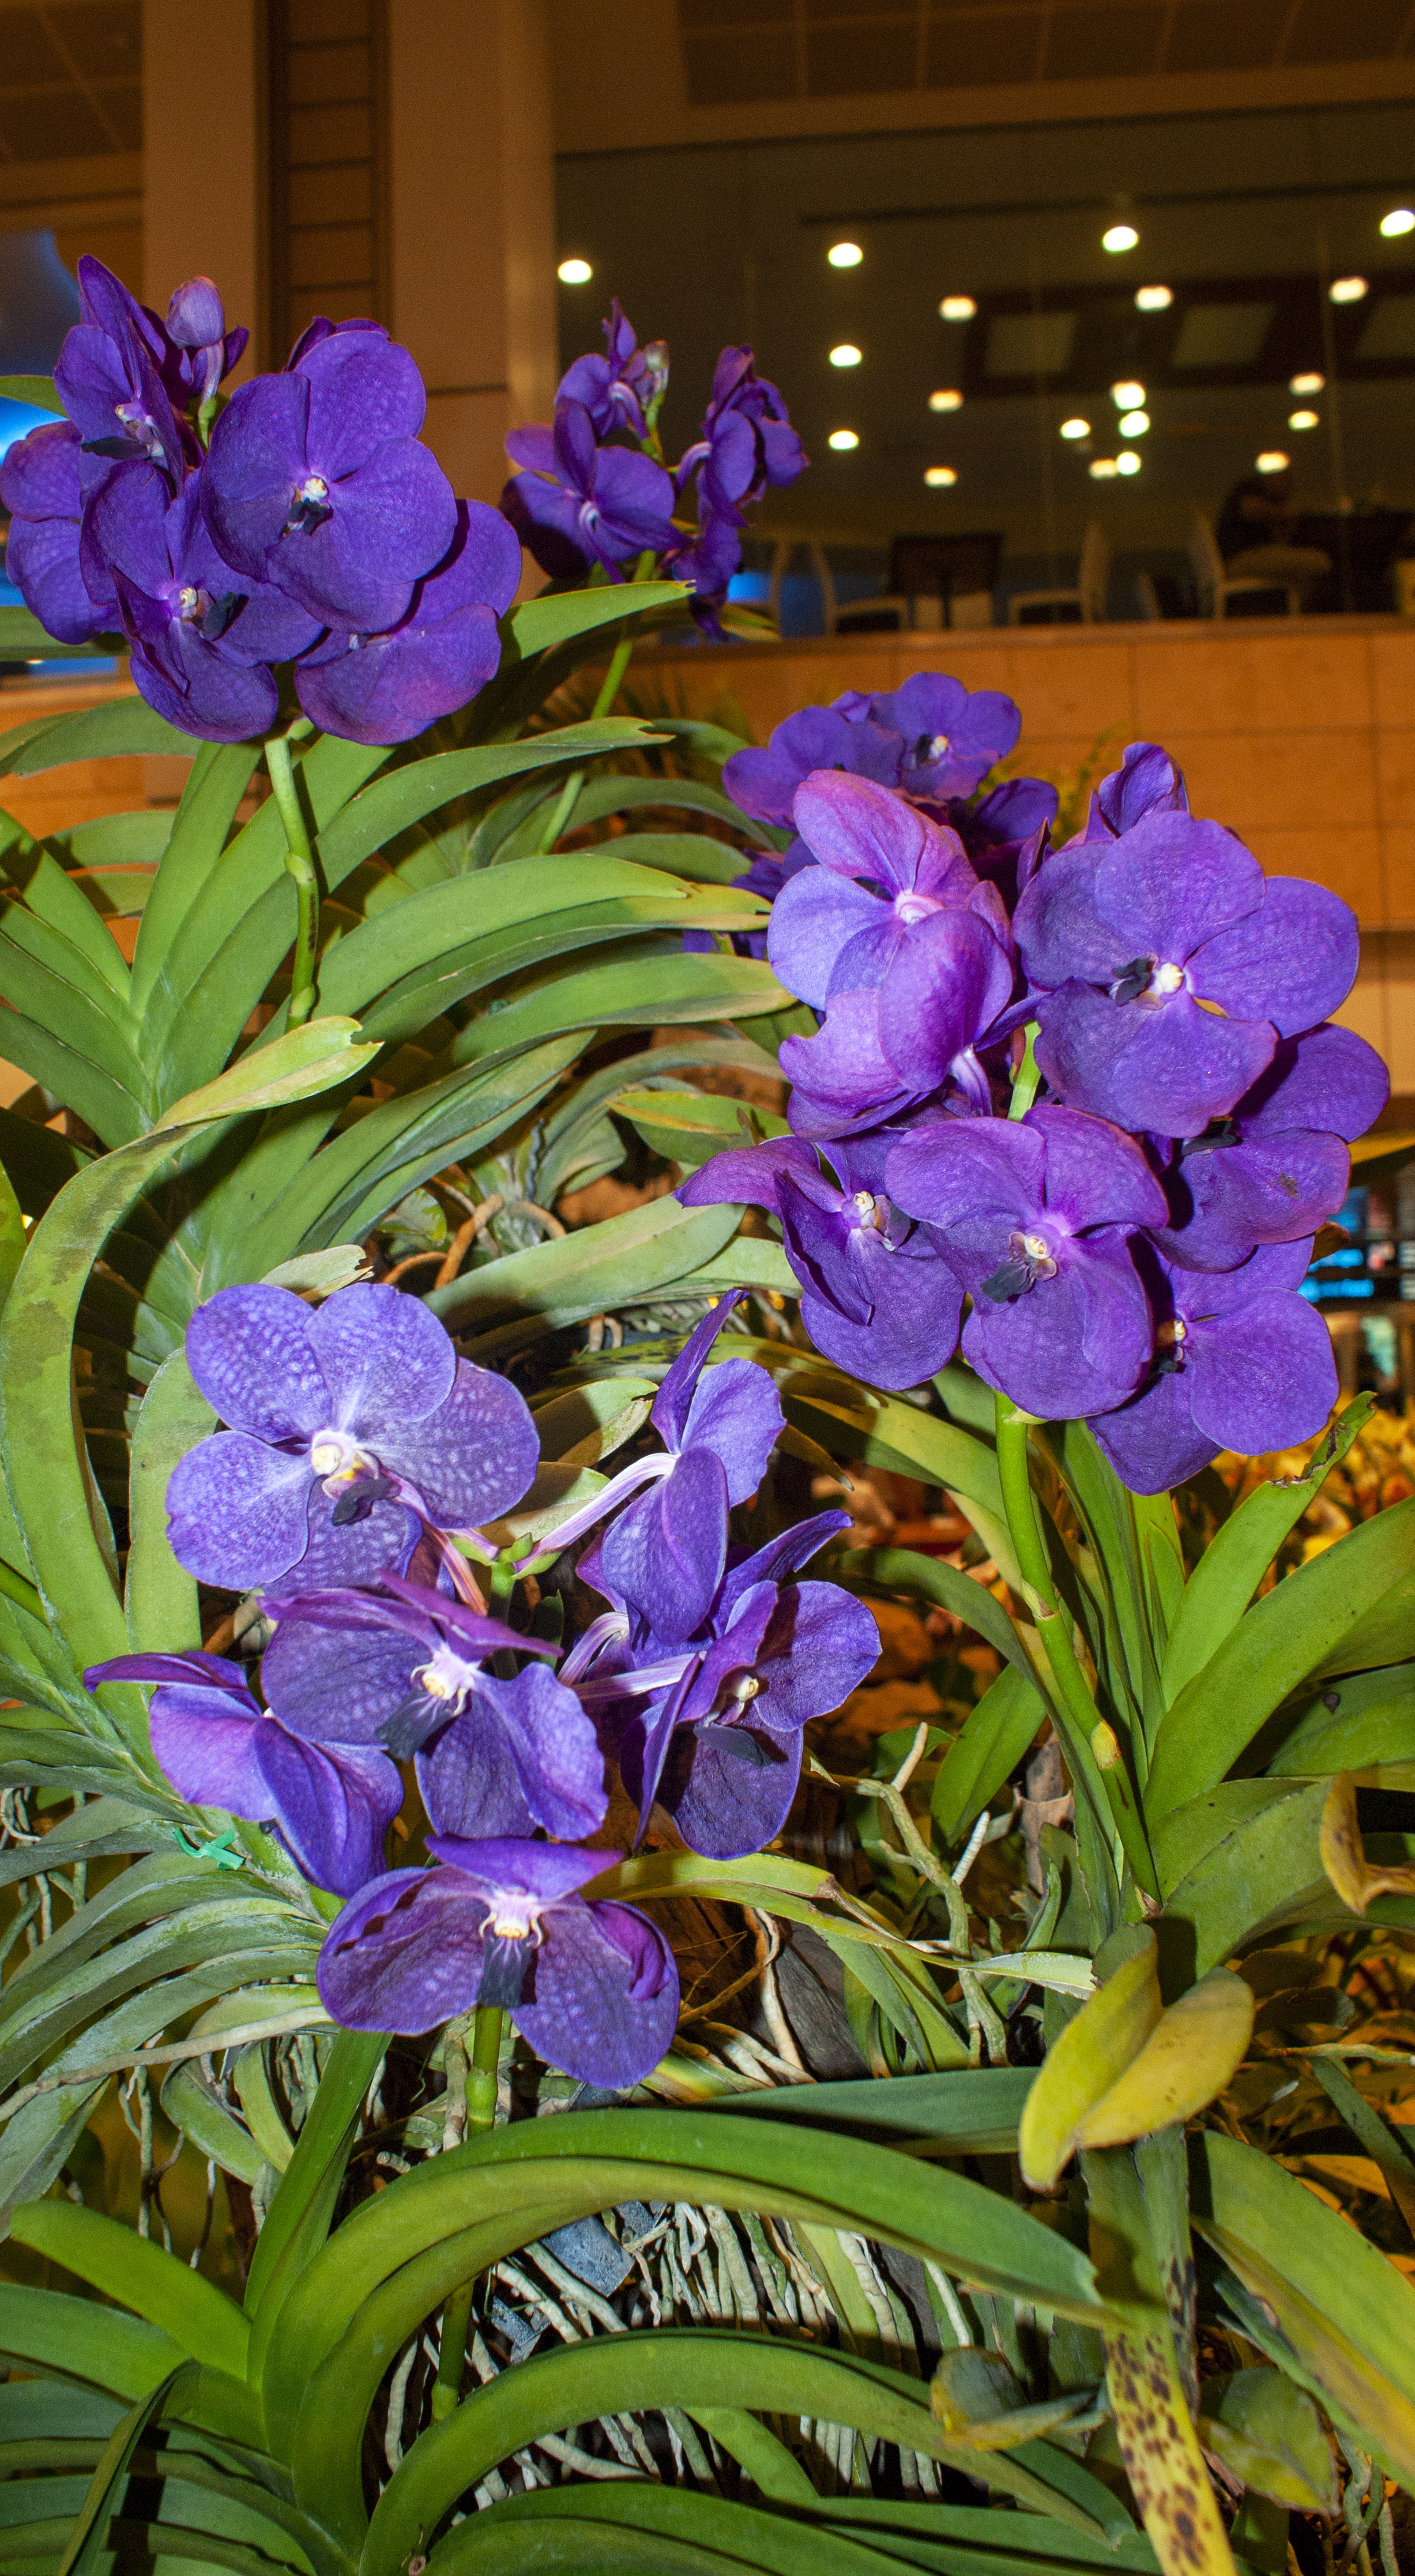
(196, 316)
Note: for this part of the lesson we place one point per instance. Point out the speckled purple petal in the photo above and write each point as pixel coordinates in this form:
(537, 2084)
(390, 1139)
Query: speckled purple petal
(385, 1358)
(1264, 1189)
(842, 1076)
(985, 1174)
(252, 1354)
(356, 1552)
(333, 1809)
(949, 984)
(605, 1995)
(473, 1458)
(405, 1954)
(861, 830)
(670, 1408)
(549, 1871)
(236, 1510)
(554, 1748)
(814, 919)
(1265, 1376)
(818, 1648)
(780, 1556)
(665, 1553)
(1166, 1068)
(1075, 1344)
(1293, 963)
(1153, 1443)
(764, 783)
(338, 1686)
(1168, 885)
(1328, 1078)
(469, 1780)
(913, 1327)
(1095, 1175)
(209, 1749)
(736, 1412)
(727, 1802)
(753, 1174)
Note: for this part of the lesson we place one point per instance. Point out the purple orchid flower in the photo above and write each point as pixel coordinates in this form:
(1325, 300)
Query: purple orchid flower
(1147, 782)
(590, 1984)
(590, 503)
(403, 1666)
(41, 485)
(317, 482)
(1171, 968)
(387, 688)
(620, 389)
(1035, 1217)
(202, 350)
(741, 399)
(709, 564)
(217, 1746)
(347, 1425)
(707, 1719)
(952, 735)
(1005, 833)
(1272, 1171)
(201, 639)
(764, 783)
(884, 869)
(876, 1295)
(1244, 1363)
(879, 1054)
(718, 1428)
(109, 381)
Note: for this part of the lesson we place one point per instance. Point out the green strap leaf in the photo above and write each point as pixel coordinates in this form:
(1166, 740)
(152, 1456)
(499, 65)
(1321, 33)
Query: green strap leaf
(321, 2152)
(558, 615)
(91, 2526)
(987, 1748)
(614, 1264)
(160, 1597)
(142, 2275)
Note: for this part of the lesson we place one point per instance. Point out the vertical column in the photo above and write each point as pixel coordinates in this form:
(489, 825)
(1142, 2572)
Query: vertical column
(472, 263)
(204, 179)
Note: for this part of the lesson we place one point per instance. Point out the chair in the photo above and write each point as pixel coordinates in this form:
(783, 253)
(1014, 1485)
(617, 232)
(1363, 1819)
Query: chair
(1088, 595)
(934, 581)
(1213, 582)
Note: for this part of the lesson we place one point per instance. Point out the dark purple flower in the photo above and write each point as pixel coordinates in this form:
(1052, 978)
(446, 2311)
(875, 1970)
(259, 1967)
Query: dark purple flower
(947, 996)
(1273, 1170)
(748, 444)
(952, 736)
(709, 564)
(218, 1748)
(1005, 833)
(1171, 967)
(41, 485)
(387, 688)
(1035, 1218)
(884, 869)
(876, 1295)
(317, 481)
(599, 504)
(201, 637)
(404, 1667)
(590, 1984)
(618, 390)
(346, 1422)
(708, 1720)
(764, 783)
(1244, 1363)
(109, 381)
(1147, 782)
(202, 349)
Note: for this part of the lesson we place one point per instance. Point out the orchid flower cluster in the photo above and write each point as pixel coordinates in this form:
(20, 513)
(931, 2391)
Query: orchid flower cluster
(593, 487)
(1095, 1090)
(300, 523)
(351, 1486)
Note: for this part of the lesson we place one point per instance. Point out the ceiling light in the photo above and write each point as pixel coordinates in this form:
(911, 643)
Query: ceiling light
(1127, 462)
(1311, 383)
(948, 399)
(1347, 290)
(846, 355)
(845, 254)
(1399, 220)
(1127, 395)
(1272, 461)
(843, 439)
(1120, 237)
(574, 272)
(1104, 469)
(1153, 299)
(958, 308)
(1304, 420)
(1133, 424)
(1076, 428)
(939, 477)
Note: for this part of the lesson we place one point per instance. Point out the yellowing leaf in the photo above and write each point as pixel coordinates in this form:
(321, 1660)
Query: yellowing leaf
(1191, 2054)
(305, 1061)
(1269, 2435)
(1355, 1879)
(1090, 2056)
(1161, 2452)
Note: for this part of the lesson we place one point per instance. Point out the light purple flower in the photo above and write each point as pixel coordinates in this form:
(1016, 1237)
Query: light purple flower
(201, 636)
(764, 783)
(708, 1719)
(387, 688)
(109, 381)
(1244, 1363)
(619, 389)
(405, 1667)
(1171, 968)
(1273, 1170)
(876, 1295)
(316, 481)
(347, 1425)
(590, 1984)
(1035, 1217)
(1147, 782)
(952, 736)
(202, 350)
(331, 1807)
(883, 1053)
(592, 503)
(883, 869)
(41, 485)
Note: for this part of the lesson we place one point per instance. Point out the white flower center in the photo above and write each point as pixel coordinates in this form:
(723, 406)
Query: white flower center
(444, 1676)
(912, 907)
(314, 488)
(1036, 1248)
(337, 1460)
(515, 1915)
(938, 748)
(1167, 979)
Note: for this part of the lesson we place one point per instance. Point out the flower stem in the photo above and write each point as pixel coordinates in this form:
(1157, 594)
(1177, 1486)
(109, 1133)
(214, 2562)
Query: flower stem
(451, 2360)
(1092, 1749)
(1026, 1077)
(299, 862)
(487, 2024)
(569, 795)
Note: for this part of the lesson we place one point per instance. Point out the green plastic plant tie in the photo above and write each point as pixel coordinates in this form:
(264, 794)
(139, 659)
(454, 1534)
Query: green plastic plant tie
(299, 863)
(217, 1849)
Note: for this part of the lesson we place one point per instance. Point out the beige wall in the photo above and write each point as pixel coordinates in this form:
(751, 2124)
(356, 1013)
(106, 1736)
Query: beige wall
(1299, 736)
(204, 192)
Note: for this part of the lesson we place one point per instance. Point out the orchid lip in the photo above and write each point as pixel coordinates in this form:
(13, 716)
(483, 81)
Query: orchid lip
(913, 907)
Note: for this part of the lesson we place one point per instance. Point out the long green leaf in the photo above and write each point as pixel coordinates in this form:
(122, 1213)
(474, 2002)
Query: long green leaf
(220, 776)
(91, 2524)
(141, 2276)
(321, 2152)
(160, 1597)
(116, 729)
(420, 787)
(987, 1748)
(617, 1263)
(654, 985)
(556, 616)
